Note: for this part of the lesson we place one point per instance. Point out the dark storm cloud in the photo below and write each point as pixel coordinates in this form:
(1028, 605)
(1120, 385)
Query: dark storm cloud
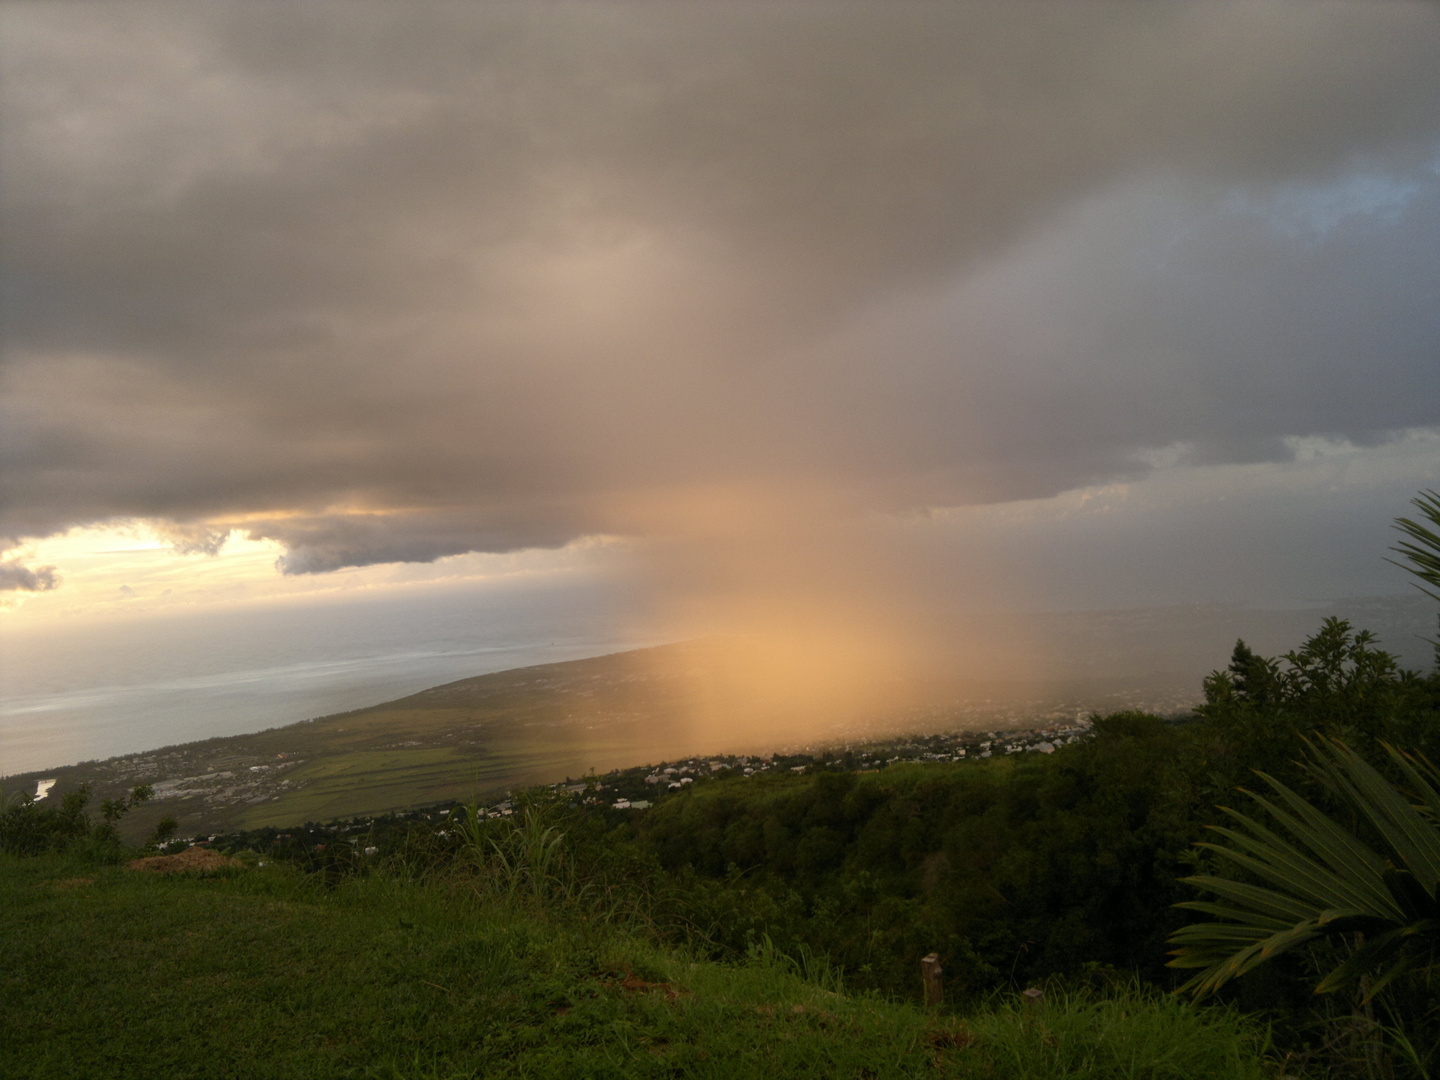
(14, 576)
(394, 282)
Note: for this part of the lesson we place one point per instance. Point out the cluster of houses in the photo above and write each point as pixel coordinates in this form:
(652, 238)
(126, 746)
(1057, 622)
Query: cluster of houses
(636, 789)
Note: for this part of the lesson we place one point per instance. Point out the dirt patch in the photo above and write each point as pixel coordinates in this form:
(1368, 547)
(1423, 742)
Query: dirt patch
(193, 860)
(632, 984)
(956, 1038)
(72, 883)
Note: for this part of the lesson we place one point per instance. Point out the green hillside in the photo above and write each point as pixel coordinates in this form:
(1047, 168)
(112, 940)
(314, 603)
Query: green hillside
(263, 973)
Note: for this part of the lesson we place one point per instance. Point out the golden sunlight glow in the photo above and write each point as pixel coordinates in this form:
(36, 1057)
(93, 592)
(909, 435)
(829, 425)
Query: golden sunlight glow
(131, 568)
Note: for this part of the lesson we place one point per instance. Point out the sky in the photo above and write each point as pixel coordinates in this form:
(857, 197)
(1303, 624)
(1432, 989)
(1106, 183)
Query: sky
(820, 317)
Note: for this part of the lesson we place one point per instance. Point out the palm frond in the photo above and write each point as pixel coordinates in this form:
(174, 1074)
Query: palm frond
(1422, 550)
(1392, 815)
(1254, 913)
(1318, 879)
(1422, 776)
(1365, 959)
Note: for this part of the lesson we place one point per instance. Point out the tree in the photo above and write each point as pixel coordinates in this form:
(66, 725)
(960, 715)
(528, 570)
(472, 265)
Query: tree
(1250, 677)
(1338, 684)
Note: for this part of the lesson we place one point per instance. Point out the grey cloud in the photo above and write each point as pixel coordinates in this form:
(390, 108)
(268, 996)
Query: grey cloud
(1242, 450)
(15, 576)
(326, 542)
(395, 282)
(190, 538)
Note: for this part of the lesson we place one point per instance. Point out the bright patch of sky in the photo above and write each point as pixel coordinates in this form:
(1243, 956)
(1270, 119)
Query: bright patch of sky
(132, 569)
(1313, 211)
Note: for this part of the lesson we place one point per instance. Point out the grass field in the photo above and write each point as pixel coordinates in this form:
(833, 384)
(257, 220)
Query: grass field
(261, 973)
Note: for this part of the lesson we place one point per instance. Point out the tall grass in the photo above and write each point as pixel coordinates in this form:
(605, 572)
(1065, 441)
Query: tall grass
(532, 860)
(522, 858)
(1129, 1033)
(804, 964)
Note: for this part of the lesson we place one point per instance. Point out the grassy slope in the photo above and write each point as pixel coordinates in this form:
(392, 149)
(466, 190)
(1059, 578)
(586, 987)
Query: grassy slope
(262, 974)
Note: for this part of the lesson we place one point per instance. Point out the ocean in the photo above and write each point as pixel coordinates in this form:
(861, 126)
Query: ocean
(71, 694)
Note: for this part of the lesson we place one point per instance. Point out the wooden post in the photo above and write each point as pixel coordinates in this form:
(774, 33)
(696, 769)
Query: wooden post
(1034, 1001)
(930, 972)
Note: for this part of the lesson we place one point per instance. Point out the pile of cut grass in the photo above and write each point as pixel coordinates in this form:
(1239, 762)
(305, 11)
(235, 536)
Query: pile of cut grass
(263, 973)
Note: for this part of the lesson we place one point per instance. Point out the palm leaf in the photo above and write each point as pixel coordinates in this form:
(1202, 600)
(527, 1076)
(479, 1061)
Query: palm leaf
(1366, 958)
(1422, 776)
(1281, 863)
(1319, 879)
(1254, 915)
(1422, 550)
(1358, 868)
(1391, 815)
(1256, 901)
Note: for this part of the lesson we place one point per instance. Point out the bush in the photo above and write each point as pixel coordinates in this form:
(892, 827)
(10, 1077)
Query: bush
(29, 828)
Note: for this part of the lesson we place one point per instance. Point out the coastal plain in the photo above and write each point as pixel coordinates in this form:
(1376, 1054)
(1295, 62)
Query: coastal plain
(476, 737)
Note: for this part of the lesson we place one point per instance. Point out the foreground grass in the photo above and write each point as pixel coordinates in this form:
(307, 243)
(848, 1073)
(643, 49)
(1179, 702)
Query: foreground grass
(262, 973)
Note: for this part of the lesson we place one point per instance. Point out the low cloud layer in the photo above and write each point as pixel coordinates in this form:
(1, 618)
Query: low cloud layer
(395, 282)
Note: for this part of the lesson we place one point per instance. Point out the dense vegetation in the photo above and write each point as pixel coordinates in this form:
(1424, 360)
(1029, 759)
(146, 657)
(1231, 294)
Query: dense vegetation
(1036, 867)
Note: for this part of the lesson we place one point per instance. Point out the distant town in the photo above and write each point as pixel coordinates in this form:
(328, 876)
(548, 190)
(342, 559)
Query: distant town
(625, 791)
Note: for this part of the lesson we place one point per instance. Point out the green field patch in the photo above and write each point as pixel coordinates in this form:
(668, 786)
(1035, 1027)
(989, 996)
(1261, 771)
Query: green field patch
(371, 781)
(365, 764)
(367, 782)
